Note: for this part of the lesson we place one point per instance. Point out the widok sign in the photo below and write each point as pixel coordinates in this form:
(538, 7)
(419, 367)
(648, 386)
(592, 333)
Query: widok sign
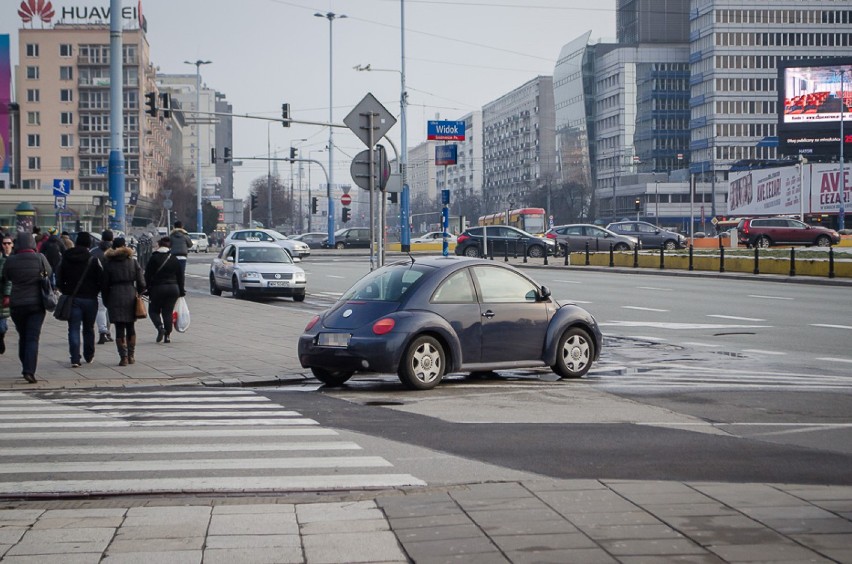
(445, 130)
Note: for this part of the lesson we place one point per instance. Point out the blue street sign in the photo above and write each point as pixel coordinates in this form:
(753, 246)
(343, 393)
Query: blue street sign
(101, 169)
(445, 130)
(446, 155)
(445, 197)
(62, 186)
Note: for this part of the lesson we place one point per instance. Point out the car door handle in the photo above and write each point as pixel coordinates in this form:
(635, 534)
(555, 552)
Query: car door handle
(488, 314)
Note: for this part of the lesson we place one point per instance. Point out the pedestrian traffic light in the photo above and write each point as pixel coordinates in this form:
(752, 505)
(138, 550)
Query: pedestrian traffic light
(253, 201)
(314, 205)
(393, 197)
(151, 104)
(293, 152)
(344, 215)
(285, 115)
(166, 103)
(638, 203)
(227, 158)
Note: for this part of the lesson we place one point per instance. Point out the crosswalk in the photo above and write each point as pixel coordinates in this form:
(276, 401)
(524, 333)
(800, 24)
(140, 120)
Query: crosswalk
(97, 442)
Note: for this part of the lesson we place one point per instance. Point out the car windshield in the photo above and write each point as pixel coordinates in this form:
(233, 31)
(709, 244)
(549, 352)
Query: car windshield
(387, 284)
(277, 236)
(264, 254)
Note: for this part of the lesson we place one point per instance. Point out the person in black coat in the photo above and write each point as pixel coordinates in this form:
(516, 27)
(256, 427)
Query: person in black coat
(77, 262)
(164, 279)
(25, 270)
(122, 281)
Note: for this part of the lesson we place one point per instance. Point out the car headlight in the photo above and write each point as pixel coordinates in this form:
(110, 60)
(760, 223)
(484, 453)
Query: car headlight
(250, 275)
(299, 276)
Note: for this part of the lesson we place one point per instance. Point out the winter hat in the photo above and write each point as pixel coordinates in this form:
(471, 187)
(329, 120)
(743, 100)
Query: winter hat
(118, 242)
(24, 241)
(83, 240)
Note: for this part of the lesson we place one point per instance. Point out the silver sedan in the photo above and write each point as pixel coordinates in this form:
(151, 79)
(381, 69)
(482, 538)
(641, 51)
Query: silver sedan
(256, 269)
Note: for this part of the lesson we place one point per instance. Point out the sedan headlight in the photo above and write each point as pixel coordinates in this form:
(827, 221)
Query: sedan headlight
(299, 276)
(250, 275)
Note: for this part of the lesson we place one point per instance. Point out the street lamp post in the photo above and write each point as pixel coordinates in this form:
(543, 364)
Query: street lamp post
(841, 212)
(310, 199)
(657, 201)
(293, 215)
(330, 16)
(199, 217)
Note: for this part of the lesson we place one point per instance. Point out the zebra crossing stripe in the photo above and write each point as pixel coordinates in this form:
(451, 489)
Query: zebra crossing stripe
(88, 450)
(143, 434)
(163, 422)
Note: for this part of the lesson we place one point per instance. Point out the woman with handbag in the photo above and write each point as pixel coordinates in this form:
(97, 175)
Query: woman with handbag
(122, 282)
(27, 270)
(165, 281)
(78, 277)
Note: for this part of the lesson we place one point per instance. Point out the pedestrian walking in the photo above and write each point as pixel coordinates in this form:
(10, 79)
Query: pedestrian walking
(181, 243)
(165, 282)
(66, 240)
(25, 270)
(122, 282)
(79, 277)
(4, 291)
(103, 318)
(52, 248)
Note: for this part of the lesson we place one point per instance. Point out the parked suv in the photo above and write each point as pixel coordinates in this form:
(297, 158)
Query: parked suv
(649, 236)
(767, 231)
(350, 238)
(503, 239)
(574, 238)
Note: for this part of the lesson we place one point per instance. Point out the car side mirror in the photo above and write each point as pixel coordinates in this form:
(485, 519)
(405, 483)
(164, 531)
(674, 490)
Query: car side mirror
(544, 292)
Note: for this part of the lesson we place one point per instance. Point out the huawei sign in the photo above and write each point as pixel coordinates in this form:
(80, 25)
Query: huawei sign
(40, 9)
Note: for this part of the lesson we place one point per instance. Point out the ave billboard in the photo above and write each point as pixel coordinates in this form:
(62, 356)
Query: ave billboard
(445, 130)
(778, 191)
(812, 96)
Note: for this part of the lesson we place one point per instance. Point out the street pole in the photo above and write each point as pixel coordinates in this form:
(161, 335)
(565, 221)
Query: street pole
(405, 200)
(841, 213)
(657, 201)
(116, 94)
(330, 16)
(268, 180)
(198, 213)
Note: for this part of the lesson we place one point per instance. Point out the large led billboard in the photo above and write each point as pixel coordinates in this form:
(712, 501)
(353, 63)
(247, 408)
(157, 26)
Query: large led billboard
(812, 95)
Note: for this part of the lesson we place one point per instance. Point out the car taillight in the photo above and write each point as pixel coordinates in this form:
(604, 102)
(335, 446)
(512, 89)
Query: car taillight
(312, 322)
(462, 238)
(550, 235)
(383, 326)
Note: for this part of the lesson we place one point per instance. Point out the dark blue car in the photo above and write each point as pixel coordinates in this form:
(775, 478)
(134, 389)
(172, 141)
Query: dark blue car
(427, 317)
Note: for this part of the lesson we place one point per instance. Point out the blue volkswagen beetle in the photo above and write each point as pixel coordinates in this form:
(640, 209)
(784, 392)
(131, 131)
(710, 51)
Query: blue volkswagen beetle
(426, 317)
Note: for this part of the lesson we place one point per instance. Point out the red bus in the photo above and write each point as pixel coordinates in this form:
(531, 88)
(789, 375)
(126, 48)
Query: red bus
(531, 220)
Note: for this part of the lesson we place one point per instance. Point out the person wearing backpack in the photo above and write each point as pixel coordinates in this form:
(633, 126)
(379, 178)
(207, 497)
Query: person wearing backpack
(79, 277)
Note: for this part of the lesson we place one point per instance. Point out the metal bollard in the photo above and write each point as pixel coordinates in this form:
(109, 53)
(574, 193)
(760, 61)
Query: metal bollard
(525, 251)
(515, 248)
(567, 256)
(611, 256)
(721, 259)
(505, 253)
(597, 244)
(792, 261)
(636, 256)
(757, 260)
(691, 267)
(587, 254)
(545, 256)
(831, 262)
(662, 258)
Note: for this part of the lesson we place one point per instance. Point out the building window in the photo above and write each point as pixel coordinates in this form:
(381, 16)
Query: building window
(32, 73)
(66, 73)
(66, 140)
(66, 118)
(66, 95)
(34, 163)
(33, 95)
(33, 140)
(66, 163)
(65, 50)
(31, 184)
(32, 49)
(33, 118)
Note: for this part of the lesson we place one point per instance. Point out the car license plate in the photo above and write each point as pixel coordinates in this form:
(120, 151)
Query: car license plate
(279, 283)
(333, 339)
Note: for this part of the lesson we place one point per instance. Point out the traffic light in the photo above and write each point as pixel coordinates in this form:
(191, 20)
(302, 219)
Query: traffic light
(314, 205)
(253, 201)
(344, 215)
(293, 152)
(166, 103)
(638, 203)
(393, 197)
(151, 103)
(213, 155)
(227, 158)
(285, 115)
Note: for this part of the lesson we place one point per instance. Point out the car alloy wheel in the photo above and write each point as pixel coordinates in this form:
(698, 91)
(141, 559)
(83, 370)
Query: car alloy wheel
(574, 354)
(472, 251)
(214, 289)
(823, 241)
(670, 245)
(331, 378)
(340, 245)
(423, 364)
(621, 247)
(536, 251)
(763, 242)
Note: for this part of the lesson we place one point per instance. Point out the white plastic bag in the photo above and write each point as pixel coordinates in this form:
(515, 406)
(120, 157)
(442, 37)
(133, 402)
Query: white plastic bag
(181, 315)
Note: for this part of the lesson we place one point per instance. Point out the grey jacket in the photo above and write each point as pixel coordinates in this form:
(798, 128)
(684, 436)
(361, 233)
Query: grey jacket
(181, 242)
(24, 270)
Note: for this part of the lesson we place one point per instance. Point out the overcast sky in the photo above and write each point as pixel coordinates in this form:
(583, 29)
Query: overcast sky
(460, 54)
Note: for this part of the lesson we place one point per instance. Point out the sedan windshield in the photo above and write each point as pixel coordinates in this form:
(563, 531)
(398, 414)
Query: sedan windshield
(386, 284)
(264, 254)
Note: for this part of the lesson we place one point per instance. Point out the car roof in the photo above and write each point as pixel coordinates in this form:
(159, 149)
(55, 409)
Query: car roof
(254, 244)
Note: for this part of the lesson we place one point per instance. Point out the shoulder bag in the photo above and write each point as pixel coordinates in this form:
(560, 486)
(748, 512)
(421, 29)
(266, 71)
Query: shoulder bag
(48, 296)
(65, 302)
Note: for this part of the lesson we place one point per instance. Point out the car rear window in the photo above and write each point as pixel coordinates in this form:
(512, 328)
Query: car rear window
(386, 284)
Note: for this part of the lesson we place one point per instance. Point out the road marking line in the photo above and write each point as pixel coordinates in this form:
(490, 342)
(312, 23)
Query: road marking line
(679, 326)
(216, 447)
(165, 422)
(645, 308)
(833, 359)
(735, 317)
(696, 344)
(759, 351)
(768, 297)
(830, 326)
(172, 434)
(654, 288)
(568, 281)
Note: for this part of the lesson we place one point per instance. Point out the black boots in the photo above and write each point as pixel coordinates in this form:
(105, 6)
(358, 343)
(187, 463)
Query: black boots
(121, 345)
(131, 349)
(105, 338)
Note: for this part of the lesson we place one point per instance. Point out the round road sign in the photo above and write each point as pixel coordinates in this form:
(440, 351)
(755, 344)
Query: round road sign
(345, 199)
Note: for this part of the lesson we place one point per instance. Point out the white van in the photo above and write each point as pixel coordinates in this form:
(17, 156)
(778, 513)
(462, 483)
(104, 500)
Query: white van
(200, 244)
